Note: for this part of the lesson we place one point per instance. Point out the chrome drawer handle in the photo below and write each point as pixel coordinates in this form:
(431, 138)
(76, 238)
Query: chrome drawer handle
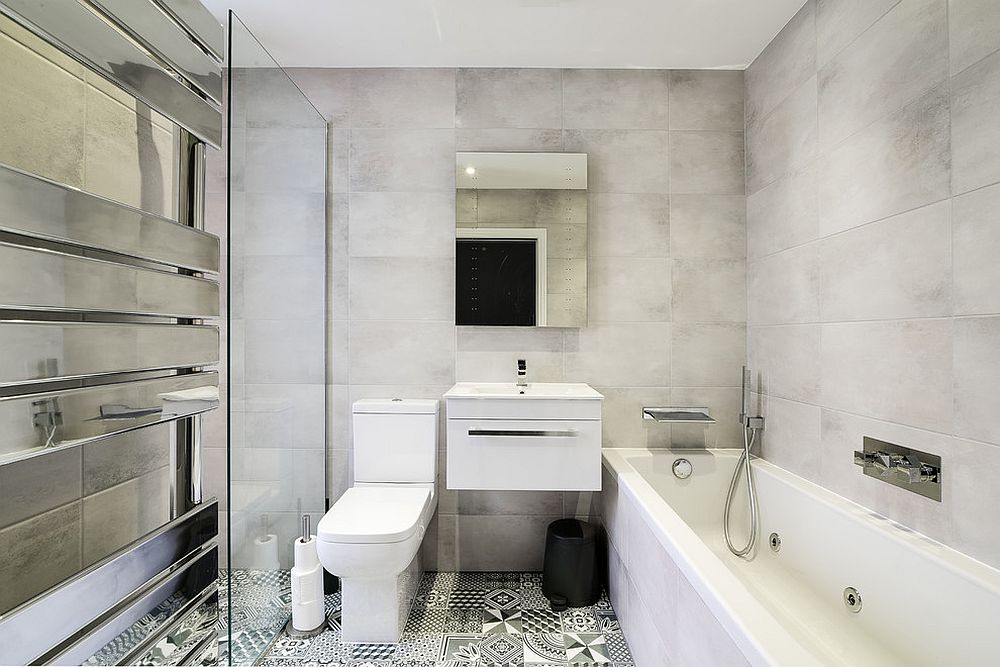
(521, 434)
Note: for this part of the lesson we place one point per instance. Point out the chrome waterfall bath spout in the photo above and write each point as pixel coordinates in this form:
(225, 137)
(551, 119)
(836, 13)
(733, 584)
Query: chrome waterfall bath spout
(750, 427)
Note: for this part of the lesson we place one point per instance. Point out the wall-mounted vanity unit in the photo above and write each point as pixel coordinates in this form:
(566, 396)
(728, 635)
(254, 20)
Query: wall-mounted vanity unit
(521, 239)
(541, 437)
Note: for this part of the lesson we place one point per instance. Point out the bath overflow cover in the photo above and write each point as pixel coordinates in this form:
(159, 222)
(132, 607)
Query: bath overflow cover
(852, 598)
(682, 468)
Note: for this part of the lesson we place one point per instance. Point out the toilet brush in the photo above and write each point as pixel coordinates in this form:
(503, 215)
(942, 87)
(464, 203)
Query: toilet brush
(308, 614)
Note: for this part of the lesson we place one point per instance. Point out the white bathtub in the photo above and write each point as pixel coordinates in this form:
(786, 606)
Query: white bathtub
(684, 600)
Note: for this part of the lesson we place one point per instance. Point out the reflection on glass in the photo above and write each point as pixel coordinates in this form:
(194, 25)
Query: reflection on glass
(521, 239)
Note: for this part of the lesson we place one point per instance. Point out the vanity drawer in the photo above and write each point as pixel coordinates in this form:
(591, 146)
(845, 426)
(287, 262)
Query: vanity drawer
(524, 455)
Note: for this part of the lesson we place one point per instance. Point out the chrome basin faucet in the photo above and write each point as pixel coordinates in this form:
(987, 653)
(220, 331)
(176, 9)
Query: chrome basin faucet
(522, 375)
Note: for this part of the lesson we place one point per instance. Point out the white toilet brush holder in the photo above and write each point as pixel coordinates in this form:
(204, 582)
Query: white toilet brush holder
(308, 612)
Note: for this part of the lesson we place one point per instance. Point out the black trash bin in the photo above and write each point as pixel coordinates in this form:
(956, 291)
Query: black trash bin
(570, 577)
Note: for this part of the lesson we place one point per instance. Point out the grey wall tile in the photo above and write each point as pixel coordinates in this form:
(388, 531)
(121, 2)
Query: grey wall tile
(402, 288)
(285, 160)
(896, 164)
(622, 160)
(490, 354)
(701, 639)
(40, 484)
(30, 564)
(501, 543)
(505, 139)
(897, 370)
(784, 214)
(614, 99)
(622, 423)
(704, 355)
(402, 160)
(403, 98)
(267, 97)
(785, 361)
(122, 514)
(606, 355)
(975, 125)
(975, 237)
(623, 289)
(709, 290)
(784, 287)
(402, 224)
(708, 226)
(629, 225)
(903, 55)
(649, 563)
(515, 98)
(792, 438)
(284, 287)
(706, 100)
(127, 456)
(977, 370)
(896, 268)
(520, 503)
(305, 237)
(707, 163)
(284, 351)
(974, 27)
(783, 65)
(283, 416)
(723, 403)
(840, 22)
(329, 90)
(402, 352)
(644, 635)
(338, 160)
(784, 140)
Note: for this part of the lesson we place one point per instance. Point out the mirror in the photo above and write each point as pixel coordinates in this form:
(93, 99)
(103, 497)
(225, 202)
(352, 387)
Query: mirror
(521, 239)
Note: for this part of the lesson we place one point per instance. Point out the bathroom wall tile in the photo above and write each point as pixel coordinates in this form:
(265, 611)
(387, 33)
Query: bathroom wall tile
(402, 288)
(977, 371)
(971, 494)
(783, 65)
(975, 238)
(583, 505)
(121, 458)
(706, 100)
(402, 224)
(723, 403)
(785, 287)
(647, 561)
(305, 237)
(709, 290)
(288, 416)
(975, 127)
(899, 370)
(643, 635)
(273, 480)
(792, 437)
(31, 43)
(38, 485)
(402, 352)
(338, 160)
(508, 139)
(284, 287)
(629, 225)
(122, 514)
(30, 564)
(892, 269)
(623, 425)
(701, 639)
(606, 355)
(439, 550)
(706, 354)
(500, 503)
(511, 98)
(622, 160)
(893, 165)
(707, 163)
(784, 214)
(904, 54)
(633, 99)
(519, 207)
(413, 98)
(618, 587)
(708, 226)
(48, 115)
(501, 543)
(629, 289)
(490, 354)
(285, 159)
(786, 361)
(975, 31)
(784, 140)
(328, 89)
(284, 351)
(615, 512)
(269, 98)
(840, 22)
(402, 160)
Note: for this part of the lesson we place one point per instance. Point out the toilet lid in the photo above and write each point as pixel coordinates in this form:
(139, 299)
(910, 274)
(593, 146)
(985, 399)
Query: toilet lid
(374, 515)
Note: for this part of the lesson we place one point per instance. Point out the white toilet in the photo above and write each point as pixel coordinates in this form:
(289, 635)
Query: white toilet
(371, 536)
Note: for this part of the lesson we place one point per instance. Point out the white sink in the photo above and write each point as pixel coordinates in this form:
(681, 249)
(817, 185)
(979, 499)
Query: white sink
(563, 390)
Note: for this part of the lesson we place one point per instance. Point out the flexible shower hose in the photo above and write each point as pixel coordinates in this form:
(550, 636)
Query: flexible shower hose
(744, 464)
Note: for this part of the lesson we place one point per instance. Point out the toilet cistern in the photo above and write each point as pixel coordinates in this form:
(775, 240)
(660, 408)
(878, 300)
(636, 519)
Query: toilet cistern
(522, 376)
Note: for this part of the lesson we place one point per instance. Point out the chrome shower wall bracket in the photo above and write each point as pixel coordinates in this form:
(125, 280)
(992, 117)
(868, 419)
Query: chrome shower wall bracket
(901, 466)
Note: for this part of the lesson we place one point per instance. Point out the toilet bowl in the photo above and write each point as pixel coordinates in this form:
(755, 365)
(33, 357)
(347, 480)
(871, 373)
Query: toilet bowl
(371, 536)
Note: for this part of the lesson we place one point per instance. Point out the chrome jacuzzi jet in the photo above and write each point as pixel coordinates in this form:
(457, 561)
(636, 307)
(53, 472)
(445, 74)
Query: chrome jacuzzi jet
(852, 599)
(775, 541)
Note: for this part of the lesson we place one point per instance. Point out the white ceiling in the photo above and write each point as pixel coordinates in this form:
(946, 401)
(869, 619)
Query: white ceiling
(513, 33)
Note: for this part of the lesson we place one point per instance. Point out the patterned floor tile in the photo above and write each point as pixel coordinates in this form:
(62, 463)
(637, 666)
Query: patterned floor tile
(531, 580)
(425, 621)
(501, 621)
(419, 648)
(463, 648)
(463, 621)
(502, 598)
(607, 620)
(544, 649)
(617, 648)
(579, 619)
(532, 598)
(503, 580)
(586, 648)
(373, 651)
(470, 581)
(432, 598)
(466, 599)
(501, 649)
(540, 621)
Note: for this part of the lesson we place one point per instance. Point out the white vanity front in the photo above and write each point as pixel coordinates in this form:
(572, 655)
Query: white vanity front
(539, 437)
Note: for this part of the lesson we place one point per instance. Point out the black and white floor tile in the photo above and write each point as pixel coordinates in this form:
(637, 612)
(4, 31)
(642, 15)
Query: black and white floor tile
(261, 601)
(471, 619)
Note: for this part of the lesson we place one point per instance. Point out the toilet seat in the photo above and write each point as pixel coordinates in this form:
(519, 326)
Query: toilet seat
(375, 515)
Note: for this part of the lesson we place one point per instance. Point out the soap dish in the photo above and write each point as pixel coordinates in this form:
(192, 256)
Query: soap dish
(678, 415)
